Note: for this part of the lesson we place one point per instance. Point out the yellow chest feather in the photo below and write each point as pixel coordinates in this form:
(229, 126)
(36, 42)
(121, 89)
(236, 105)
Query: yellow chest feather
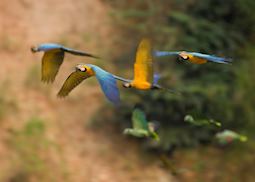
(197, 60)
(141, 85)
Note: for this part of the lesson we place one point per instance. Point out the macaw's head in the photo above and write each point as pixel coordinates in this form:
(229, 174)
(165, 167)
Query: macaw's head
(184, 55)
(34, 49)
(84, 68)
(127, 85)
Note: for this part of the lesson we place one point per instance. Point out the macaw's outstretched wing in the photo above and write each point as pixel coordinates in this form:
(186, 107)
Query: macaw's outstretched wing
(46, 47)
(74, 79)
(51, 63)
(77, 52)
(108, 84)
(139, 120)
(143, 68)
(211, 58)
(165, 53)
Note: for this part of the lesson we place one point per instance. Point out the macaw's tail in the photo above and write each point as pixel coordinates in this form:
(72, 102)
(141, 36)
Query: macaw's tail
(220, 60)
(212, 58)
(172, 91)
(156, 86)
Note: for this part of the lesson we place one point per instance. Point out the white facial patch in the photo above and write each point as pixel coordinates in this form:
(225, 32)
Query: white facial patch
(83, 69)
(184, 55)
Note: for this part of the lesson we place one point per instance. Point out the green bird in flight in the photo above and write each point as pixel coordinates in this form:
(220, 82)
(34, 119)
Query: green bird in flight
(141, 127)
(201, 122)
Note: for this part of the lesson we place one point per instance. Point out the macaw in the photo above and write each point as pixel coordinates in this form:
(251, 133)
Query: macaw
(53, 58)
(106, 80)
(141, 127)
(201, 122)
(194, 57)
(144, 77)
(227, 136)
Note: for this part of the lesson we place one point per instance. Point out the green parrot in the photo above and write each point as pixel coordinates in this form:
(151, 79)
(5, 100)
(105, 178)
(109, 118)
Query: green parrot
(141, 127)
(201, 122)
(227, 136)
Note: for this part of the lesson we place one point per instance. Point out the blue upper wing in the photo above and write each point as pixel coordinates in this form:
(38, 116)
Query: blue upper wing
(52, 46)
(49, 46)
(108, 84)
(165, 53)
(211, 57)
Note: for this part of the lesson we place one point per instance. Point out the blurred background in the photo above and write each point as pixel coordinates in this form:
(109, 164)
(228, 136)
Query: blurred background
(43, 138)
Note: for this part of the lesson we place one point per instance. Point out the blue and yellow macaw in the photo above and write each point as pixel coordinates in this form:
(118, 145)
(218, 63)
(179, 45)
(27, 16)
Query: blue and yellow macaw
(194, 57)
(106, 80)
(53, 58)
(144, 77)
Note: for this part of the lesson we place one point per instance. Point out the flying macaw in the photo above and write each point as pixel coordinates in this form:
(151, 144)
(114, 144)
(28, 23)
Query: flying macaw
(53, 58)
(227, 136)
(106, 80)
(194, 57)
(144, 77)
(141, 127)
(201, 122)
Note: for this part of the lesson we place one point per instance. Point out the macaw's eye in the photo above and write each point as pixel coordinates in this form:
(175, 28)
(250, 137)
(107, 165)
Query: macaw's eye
(34, 49)
(83, 69)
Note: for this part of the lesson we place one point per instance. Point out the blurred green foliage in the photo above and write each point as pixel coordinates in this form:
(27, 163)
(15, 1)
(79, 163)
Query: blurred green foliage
(213, 91)
(30, 145)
